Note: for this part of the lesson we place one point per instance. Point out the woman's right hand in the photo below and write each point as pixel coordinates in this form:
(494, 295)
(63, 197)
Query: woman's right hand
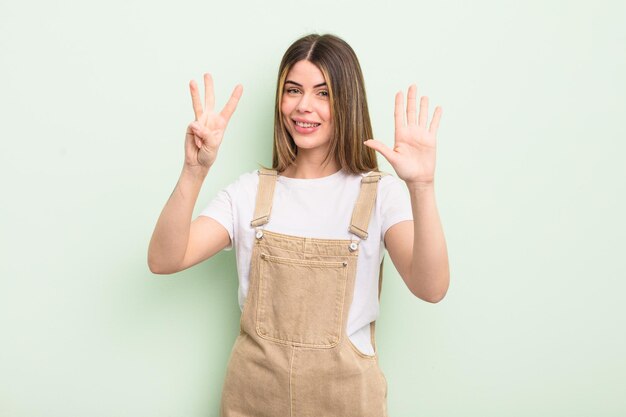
(204, 135)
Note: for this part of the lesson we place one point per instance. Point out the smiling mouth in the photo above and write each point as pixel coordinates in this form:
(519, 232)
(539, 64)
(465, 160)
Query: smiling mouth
(302, 124)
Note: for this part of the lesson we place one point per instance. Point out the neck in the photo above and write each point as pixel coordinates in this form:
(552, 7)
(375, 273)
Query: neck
(309, 168)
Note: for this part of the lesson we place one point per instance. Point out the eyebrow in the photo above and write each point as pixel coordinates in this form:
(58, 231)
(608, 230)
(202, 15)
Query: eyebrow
(300, 85)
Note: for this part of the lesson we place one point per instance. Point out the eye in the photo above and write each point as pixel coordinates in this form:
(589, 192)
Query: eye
(324, 93)
(292, 90)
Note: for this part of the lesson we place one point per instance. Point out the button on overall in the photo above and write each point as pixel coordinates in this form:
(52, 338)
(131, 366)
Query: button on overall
(293, 357)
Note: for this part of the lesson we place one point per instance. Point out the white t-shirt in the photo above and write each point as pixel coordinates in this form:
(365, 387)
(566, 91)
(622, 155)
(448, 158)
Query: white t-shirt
(317, 208)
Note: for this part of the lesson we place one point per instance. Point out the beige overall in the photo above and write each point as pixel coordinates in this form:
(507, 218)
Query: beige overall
(293, 357)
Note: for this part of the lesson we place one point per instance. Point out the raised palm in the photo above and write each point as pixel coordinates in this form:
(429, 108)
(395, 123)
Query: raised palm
(204, 135)
(414, 153)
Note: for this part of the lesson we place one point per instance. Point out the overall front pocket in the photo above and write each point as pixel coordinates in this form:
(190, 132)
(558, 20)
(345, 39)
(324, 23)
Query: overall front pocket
(301, 302)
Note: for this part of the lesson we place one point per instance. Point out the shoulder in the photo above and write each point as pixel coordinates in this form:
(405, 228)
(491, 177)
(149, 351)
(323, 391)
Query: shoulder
(246, 181)
(392, 189)
(389, 182)
(390, 178)
(249, 178)
(241, 190)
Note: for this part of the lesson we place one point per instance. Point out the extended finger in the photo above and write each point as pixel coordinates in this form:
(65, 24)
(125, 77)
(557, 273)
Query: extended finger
(434, 124)
(231, 105)
(385, 150)
(195, 99)
(209, 95)
(423, 118)
(398, 113)
(411, 105)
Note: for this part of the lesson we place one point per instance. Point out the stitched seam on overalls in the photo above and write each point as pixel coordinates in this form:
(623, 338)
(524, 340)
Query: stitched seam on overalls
(297, 239)
(353, 254)
(291, 390)
(313, 263)
(307, 255)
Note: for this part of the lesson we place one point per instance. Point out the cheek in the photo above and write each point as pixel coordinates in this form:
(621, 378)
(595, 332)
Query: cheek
(286, 107)
(326, 114)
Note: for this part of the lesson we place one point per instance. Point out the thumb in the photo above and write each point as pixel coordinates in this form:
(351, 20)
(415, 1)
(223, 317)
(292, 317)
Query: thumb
(383, 149)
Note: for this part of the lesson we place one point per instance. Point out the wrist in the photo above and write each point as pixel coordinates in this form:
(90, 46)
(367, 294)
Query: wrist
(195, 173)
(420, 186)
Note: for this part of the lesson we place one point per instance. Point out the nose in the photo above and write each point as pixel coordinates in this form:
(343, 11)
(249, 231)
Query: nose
(304, 105)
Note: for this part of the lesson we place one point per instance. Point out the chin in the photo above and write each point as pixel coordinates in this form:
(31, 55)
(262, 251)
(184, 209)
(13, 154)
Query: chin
(309, 142)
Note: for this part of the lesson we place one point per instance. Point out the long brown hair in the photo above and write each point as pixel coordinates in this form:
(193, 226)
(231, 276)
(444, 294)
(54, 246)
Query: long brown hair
(348, 104)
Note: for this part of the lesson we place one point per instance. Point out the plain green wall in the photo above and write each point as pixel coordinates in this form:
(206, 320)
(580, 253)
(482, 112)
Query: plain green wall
(530, 187)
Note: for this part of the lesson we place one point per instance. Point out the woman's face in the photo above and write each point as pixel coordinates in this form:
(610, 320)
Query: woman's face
(306, 106)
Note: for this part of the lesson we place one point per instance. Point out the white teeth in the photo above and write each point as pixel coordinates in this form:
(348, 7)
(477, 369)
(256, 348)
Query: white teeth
(301, 124)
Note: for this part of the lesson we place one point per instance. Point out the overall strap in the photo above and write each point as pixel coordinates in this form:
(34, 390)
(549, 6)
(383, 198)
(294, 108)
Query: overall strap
(361, 216)
(264, 196)
(363, 207)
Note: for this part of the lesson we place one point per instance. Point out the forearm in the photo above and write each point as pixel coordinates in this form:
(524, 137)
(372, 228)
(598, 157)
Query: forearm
(430, 272)
(171, 233)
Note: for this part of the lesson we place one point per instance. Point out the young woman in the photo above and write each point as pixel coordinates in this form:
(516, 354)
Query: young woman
(310, 234)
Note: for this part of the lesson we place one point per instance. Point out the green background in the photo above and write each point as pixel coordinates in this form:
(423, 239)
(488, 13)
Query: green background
(530, 186)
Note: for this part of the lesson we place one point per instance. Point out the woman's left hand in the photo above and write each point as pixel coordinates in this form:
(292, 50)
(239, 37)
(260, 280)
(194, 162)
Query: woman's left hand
(414, 151)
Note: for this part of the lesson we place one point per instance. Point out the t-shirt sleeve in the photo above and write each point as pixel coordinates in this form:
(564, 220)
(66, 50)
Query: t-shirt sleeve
(395, 205)
(221, 210)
